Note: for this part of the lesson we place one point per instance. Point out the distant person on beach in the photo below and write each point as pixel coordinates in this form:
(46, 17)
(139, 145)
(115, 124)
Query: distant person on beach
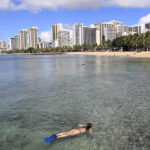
(73, 132)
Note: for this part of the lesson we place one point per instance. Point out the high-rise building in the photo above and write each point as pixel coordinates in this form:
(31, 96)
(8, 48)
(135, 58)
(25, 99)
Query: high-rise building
(119, 28)
(91, 36)
(55, 29)
(95, 36)
(63, 38)
(117, 23)
(39, 40)
(107, 31)
(41, 45)
(135, 29)
(3, 45)
(23, 39)
(14, 43)
(126, 29)
(87, 36)
(33, 37)
(147, 26)
(77, 34)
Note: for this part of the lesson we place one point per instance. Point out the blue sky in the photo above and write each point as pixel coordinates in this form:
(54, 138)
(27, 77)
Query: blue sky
(12, 20)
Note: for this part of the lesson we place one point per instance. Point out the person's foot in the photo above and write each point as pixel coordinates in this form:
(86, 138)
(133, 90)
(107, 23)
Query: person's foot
(53, 136)
(49, 139)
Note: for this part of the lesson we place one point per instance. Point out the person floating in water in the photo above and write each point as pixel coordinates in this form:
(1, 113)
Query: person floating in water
(73, 132)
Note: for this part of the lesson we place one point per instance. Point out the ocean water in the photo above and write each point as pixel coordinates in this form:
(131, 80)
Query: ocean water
(42, 95)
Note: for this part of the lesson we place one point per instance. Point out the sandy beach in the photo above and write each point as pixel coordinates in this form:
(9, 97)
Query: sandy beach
(121, 54)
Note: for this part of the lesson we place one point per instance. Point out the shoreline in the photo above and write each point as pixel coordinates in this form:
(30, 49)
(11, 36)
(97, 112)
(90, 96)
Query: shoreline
(117, 54)
(44, 53)
(112, 54)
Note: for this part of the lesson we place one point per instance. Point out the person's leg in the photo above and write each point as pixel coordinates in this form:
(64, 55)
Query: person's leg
(61, 133)
(65, 134)
(60, 136)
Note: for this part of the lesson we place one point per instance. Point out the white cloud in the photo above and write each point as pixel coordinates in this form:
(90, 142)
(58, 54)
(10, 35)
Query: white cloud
(36, 5)
(46, 36)
(6, 5)
(143, 21)
(130, 3)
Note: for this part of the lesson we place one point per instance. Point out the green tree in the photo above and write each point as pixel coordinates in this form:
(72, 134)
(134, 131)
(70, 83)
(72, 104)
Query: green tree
(146, 41)
(30, 50)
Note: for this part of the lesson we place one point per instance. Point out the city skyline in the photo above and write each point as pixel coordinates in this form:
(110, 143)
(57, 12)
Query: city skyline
(66, 27)
(94, 34)
(15, 16)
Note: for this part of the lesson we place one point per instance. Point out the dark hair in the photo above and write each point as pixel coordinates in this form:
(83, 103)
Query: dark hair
(89, 125)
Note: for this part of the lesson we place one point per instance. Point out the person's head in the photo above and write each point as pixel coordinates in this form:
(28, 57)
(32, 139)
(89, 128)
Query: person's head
(88, 126)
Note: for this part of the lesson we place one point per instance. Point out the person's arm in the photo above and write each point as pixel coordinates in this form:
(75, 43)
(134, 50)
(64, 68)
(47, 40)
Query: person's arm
(80, 125)
(90, 131)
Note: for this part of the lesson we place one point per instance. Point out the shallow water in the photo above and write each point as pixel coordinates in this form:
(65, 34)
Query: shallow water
(42, 95)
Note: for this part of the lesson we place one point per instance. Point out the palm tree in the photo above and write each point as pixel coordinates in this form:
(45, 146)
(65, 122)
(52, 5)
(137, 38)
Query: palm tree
(147, 40)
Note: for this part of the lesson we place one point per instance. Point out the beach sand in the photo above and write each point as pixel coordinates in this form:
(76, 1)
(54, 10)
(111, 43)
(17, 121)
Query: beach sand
(121, 54)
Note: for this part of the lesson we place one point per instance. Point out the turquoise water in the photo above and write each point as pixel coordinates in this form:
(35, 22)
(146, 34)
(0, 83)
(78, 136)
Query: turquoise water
(42, 95)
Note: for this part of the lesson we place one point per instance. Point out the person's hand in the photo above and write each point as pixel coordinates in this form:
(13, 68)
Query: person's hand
(91, 131)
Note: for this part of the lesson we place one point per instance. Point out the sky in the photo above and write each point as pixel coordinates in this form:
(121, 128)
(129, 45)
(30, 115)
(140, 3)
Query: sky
(23, 14)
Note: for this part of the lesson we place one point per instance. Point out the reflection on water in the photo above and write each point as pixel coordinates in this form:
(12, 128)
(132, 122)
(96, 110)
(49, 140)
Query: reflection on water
(42, 95)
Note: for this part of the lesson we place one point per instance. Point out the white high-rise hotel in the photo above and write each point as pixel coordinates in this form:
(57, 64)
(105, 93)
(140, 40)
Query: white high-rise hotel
(63, 38)
(55, 29)
(85, 35)
(2, 44)
(33, 37)
(14, 43)
(78, 34)
(23, 39)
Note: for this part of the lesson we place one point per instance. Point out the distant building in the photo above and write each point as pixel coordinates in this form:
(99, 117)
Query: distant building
(63, 38)
(14, 43)
(23, 39)
(122, 31)
(126, 29)
(117, 23)
(33, 37)
(55, 29)
(91, 36)
(125, 33)
(2, 44)
(107, 31)
(135, 29)
(39, 40)
(77, 34)
(55, 43)
(95, 36)
(119, 28)
(147, 27)
(44, 45)
(87, 36)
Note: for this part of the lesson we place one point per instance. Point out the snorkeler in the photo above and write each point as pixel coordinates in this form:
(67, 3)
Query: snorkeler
(73, 132)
